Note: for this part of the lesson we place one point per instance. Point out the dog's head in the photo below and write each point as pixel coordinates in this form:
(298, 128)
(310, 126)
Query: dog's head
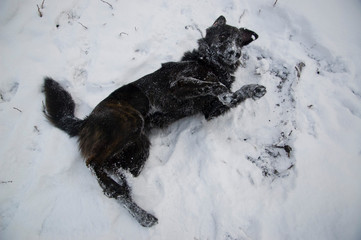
(224, 42)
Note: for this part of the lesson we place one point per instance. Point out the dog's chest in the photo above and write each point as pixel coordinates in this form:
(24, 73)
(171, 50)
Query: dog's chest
(158, 86)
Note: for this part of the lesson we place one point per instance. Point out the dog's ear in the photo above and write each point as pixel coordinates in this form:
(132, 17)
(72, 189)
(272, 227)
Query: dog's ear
(220, 21)
(247, 36)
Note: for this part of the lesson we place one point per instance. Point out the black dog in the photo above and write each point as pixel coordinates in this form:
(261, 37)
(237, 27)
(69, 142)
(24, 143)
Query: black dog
(114, 136)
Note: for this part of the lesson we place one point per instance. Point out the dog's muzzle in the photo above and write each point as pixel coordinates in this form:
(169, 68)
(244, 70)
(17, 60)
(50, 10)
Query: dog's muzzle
(234, 54)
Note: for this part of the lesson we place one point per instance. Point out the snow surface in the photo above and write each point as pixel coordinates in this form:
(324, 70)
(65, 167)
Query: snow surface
(222, 179)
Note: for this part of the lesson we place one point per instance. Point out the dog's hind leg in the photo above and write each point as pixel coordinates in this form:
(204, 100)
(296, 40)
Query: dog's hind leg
(132, 158)
(111, 127)
(121, 192)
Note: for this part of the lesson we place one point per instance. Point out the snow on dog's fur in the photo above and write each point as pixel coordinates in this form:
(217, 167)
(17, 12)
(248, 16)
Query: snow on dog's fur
(114, 136)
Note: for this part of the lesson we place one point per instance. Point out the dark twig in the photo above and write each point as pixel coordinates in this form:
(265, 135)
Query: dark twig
(200, 31)
(287, 148)
(275, 3)
(85, 27)
(42, 4)
(111, 6)
(194, 26)
(299, 67)
(40, 13)
(242, 15)
(17, 109)
(2, 182)
(36, 129)
(123, 33)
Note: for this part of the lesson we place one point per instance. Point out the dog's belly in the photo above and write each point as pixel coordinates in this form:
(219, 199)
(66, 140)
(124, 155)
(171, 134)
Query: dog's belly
(168, 110)
(166, 104)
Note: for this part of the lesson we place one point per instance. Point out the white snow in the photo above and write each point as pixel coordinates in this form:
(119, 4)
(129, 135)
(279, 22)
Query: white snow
(203, 180)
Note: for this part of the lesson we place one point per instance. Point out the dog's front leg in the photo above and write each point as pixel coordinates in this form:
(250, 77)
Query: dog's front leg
(253, 91)
(225, 101)
(189, 87)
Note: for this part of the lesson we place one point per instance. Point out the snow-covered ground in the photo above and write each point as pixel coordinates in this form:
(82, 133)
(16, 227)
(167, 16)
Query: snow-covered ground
(224, 179)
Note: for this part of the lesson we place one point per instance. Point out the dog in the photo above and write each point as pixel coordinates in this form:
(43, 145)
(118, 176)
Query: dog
(114, 137)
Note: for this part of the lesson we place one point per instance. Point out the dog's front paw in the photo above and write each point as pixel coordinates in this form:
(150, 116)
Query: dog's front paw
(254, 91)
(259, 92)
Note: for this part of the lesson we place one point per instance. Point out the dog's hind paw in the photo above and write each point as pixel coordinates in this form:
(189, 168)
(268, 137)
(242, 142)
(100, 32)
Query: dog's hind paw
(145, 219)
(148, 220)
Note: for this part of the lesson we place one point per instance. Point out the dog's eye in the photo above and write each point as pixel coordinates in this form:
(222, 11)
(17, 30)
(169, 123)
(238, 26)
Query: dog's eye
(223, 37)
(239, 41)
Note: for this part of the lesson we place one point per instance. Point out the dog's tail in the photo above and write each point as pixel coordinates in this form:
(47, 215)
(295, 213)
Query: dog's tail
(59, 108)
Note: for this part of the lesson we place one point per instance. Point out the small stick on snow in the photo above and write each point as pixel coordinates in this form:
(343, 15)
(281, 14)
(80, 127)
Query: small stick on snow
(2, 182)
(36, 129)
(194, 27)
(17, 109)
(200, 31)
(242, 15)
(40, 13)
(85, 27)
(299, 67)
(111, 6)
(287, 149)
(42, 4)
(123, 33)
(275, 3)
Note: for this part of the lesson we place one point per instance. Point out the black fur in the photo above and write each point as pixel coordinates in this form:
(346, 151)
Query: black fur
(113, 138)
(60, 108)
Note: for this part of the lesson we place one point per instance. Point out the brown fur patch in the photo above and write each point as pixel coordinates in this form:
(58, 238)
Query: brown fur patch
(110, 127)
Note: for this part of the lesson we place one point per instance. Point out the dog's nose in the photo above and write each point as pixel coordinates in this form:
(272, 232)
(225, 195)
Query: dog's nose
(233, 53)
